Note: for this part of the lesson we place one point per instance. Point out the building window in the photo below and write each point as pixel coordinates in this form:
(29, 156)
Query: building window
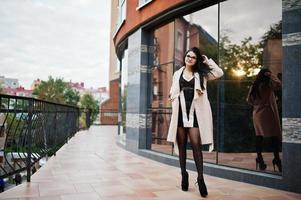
(180, 40)
(124, 91)
(143, 3)
(241, 49)
(122, 11)
(245, 48)
(117, 69)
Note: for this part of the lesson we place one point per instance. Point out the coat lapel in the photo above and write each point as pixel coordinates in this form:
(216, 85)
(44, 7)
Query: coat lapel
(197, 87)
(175, 92)
(176, 85)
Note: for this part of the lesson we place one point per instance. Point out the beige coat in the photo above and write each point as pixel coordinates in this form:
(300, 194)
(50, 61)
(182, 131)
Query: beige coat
(265, 112)
(201, 103)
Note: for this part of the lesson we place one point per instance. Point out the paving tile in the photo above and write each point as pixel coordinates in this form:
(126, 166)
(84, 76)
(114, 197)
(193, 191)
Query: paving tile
(55, 197)
(81, 196)
(83, 187)
(56, 188)
(22, 191)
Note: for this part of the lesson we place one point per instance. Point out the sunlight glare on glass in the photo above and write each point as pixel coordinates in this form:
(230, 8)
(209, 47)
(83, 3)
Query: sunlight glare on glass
(239, 72)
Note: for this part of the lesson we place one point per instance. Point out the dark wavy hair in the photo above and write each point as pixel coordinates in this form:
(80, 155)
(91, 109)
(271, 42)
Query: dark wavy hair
(199, 66)
(261, 81)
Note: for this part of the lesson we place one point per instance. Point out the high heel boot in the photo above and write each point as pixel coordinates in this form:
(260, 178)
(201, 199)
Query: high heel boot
(260, 163)
(277, 162)
(202, 187)
(185, 181)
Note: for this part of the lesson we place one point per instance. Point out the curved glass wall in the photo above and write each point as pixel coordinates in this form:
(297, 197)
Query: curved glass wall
(162, 72)
(241, 44)
(123, 92)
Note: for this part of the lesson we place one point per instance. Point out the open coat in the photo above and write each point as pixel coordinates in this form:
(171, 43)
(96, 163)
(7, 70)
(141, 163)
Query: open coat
(265, 112)
(201, 103)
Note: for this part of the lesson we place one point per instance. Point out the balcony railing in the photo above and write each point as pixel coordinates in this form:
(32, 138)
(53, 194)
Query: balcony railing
(31, 129)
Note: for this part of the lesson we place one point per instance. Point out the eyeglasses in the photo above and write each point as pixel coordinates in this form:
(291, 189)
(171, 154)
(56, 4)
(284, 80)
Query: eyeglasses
(192, 57)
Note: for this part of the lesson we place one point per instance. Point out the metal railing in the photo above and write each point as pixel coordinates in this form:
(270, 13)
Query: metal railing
(31, 129)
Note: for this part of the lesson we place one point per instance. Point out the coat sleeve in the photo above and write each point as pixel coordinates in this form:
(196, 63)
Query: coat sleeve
(275, 82)
(216, 71)
(250, 99)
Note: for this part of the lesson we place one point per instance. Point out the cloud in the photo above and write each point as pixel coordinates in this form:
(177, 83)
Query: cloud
(240, 18)
(67, 38)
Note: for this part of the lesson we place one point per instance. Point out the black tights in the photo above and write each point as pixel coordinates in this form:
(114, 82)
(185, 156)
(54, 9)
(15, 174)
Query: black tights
(195, 140)
(275, 143)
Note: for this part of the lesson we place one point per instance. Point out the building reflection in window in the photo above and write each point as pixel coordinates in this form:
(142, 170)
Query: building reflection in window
(249, 40)
(123, 90)
(162, 72)
(241, 44)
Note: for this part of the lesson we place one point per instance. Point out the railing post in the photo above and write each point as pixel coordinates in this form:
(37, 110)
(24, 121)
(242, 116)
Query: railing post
(29, 139)
(54, 129)
(88, 117)
(77, 119)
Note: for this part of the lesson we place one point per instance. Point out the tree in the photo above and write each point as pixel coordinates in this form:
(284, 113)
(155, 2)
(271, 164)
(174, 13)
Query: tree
(51, 90)
(58, 91)
(72, 97)
(275, 32)
(240, 60)
(1, 88)
(87, 102)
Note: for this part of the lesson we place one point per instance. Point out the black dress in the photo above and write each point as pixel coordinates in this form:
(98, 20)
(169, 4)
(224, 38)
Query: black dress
(188, 89)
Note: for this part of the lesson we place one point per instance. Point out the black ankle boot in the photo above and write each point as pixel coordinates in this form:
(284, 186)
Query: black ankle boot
(202, 187)
(277, 162)
(185, 181)
(260, 163)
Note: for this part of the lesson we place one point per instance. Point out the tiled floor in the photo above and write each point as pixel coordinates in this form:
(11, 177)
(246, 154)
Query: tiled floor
(92, 166)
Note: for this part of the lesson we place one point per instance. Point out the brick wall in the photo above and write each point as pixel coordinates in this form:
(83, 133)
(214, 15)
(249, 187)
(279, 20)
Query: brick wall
(109, 109)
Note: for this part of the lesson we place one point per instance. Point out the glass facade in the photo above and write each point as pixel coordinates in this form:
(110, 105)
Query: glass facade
(122, 11)
(162, 72)
(246, 46)
(123, 92)
(241, 44)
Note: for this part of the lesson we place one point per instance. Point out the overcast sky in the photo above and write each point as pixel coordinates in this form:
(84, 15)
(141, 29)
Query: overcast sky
(240, 18)
(62, 38)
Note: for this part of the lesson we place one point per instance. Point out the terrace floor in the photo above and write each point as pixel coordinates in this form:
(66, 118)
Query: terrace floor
(92, 166)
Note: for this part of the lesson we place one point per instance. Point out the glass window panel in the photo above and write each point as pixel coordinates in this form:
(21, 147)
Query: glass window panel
(143, 2)
(249, 40)
(162, 73)
(123, 89)
(201, 30)
(122, 11)
(164, 44)
(161, 107)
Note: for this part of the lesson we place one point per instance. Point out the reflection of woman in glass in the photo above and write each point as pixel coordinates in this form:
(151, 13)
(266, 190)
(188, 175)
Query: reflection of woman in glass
(265, 115)
(191, 112)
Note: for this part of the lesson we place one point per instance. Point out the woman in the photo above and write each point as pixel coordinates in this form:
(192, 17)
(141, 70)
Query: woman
(265, 115)
(191, 112)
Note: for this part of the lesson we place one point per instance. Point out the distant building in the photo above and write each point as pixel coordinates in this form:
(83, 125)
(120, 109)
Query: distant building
(19, 91)
(9, 82)
(109, 108)
(100, 94)
(79, 87)
(35, 84)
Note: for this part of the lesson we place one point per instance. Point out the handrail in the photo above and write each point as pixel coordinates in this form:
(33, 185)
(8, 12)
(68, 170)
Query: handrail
(31, 129)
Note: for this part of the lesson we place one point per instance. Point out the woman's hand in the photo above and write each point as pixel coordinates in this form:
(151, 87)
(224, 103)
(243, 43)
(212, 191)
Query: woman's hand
(268, 74)
(206, 60)
(200, 92)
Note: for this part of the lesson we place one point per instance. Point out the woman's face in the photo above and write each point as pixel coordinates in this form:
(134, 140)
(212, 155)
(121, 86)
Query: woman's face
(190, 58)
